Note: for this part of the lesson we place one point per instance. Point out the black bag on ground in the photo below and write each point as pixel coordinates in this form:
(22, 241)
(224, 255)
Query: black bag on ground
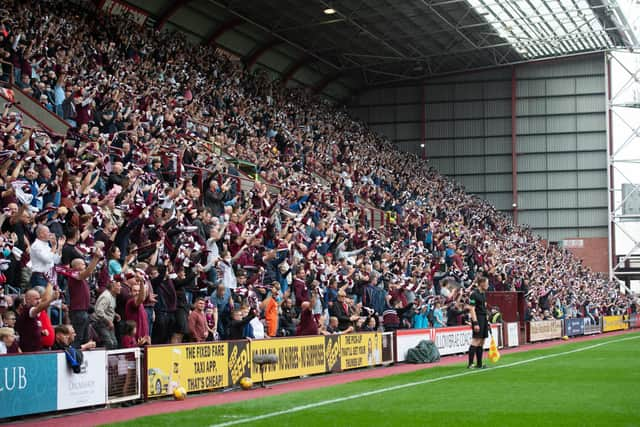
(425, 352)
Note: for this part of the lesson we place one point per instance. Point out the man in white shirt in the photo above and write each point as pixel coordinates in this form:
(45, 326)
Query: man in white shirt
(105, 312)
(45, 254)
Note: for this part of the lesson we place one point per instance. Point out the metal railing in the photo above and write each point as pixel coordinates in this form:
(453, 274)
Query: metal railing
(51, 114)
(7, 78)
(124, 375)
(243, 182)
(35, 130)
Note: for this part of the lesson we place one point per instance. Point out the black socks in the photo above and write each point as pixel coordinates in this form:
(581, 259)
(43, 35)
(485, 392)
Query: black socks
(472, 353)
(479, 351)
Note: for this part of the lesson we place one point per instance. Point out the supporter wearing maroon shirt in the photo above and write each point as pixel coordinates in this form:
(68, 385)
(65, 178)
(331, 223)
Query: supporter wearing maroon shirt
(129, 337)
(28, 326)
(307, 325)
(247, 258)
(457, 259)
(300, 288)
(236, 224)
(83, 104)
(397, 293)
(198, 322)
(80, 296)
(134, 310)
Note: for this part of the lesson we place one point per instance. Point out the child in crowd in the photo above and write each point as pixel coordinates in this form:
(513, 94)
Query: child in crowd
(438, 316)
(211, 314)
(129, 337)
(8, 343)
(239, 320)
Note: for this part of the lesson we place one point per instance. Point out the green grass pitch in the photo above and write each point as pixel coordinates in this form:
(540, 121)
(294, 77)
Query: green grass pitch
(590, 383)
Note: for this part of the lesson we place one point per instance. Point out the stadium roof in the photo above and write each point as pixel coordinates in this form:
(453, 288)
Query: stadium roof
(361, 43)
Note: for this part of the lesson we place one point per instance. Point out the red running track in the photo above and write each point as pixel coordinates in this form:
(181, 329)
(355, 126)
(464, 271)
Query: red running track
(111, 415)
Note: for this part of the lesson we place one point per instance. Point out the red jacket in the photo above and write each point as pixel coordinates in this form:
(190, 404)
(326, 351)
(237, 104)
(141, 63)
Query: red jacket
(46, 340)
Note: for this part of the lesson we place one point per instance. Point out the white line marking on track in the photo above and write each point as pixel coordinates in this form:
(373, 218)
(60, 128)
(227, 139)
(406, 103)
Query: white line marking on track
(412, 384)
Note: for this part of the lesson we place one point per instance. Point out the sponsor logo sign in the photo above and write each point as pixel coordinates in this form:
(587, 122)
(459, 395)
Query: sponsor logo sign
(28, 384)
(296, 357)
(86, 388)
(545, 330)
(457, 339)
(360, 350)
(195, 367)
(453, 340)
(573, 327)
(332, 353)
(613, 323)
(116, 7)
(239, 361)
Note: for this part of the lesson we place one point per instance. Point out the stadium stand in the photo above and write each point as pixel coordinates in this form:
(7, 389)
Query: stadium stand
(183, 176)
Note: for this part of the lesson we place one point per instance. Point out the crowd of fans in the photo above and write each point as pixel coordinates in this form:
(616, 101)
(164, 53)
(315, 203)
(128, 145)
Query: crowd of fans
(134, 229)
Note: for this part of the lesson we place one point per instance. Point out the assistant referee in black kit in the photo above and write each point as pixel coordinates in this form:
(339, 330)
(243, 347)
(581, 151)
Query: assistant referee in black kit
(478, 310)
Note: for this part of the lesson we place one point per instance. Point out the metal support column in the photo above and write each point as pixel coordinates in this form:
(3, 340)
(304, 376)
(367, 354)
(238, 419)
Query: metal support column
(423, 130)
(514, 146)
(622, 73)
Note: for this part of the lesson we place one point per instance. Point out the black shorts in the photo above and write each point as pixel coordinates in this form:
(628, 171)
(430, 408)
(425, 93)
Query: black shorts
(483, 332)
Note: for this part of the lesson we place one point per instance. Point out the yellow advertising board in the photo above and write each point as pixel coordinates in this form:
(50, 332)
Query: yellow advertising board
(296, 357)
(614, 323)
(360, 350)
(239, 361)
(192, 366)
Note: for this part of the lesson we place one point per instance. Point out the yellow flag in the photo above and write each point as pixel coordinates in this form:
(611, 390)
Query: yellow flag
(494, 354)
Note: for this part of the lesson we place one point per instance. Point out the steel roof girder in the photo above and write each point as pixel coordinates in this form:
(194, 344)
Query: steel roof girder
(365, 30)
(172, 8)
(258, 51)
(294, 68)
(223, 28)
(449, 24)
(273, 33)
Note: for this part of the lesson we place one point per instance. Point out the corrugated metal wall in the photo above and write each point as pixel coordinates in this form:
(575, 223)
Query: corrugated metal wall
(561, 141)
(561, 146)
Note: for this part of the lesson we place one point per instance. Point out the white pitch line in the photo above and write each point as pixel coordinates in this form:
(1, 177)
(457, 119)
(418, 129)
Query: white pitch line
(412, 384)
